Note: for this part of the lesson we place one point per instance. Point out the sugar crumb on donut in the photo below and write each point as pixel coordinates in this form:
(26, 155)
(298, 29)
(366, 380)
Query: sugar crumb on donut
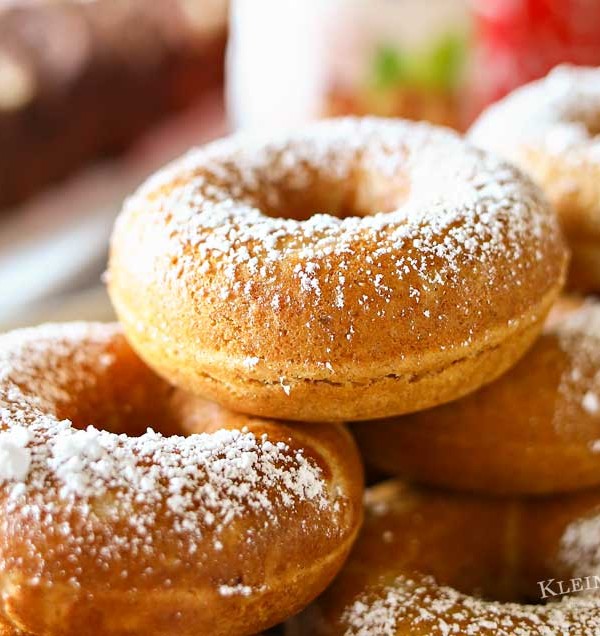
(235, 590)
(15, 457)
(590, 402)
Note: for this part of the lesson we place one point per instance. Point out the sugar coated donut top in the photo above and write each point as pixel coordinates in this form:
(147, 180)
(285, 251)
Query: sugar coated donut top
(442, 610)
(323, 239)
(113, 500)
(558, 114)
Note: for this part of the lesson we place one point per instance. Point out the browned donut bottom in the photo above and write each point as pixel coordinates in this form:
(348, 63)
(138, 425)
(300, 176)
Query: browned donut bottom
(224, 525)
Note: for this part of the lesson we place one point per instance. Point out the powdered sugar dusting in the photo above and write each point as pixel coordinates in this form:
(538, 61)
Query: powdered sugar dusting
(51, 472)
(451, 210)
(580, 546)
(442, 611)
(559, 114)
(235, 590)
(591, 403)
(15, 457)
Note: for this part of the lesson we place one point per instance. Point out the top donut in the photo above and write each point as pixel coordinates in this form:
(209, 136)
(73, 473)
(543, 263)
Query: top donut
(359, 268)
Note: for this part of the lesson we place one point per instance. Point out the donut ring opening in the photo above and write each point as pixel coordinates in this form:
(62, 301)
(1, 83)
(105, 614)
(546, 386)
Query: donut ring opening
(127, 400)
(360, 190)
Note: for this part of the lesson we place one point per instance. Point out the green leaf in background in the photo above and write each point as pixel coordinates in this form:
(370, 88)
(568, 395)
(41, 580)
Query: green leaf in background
(439, 67)
(389, 68)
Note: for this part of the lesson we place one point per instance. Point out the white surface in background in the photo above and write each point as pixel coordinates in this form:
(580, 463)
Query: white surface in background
(283, 54)
(56, 245)
(56, 242)
(275, 61)
(91, 304)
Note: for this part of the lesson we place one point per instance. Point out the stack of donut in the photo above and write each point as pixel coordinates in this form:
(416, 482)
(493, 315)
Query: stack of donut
(189, 472)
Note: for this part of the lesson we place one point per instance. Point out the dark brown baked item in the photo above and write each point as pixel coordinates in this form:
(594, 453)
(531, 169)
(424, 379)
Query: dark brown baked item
(80, 80)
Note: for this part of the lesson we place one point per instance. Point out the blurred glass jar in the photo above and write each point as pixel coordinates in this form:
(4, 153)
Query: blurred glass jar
(292, 61)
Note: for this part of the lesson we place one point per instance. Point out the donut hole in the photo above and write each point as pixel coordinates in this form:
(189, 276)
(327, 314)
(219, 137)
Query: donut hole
(505, 591)
(494, 578)
(362, 193)
(504, 568)
(129, 404)
(108, 387)
(116, 392)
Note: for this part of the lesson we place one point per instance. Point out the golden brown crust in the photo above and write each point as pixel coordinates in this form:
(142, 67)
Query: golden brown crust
(550, 128)
(226, 529)
(535, 430)
(424, 560)
(348, 316)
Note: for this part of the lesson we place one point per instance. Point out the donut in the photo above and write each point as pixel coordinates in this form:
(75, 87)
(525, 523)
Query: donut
(359, 268)
(438, 564)
(220, 524)
(535, 430)
(551, 129)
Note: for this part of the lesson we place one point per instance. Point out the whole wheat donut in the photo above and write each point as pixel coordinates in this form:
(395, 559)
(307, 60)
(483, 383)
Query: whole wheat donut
(534, 430)
(433, 563)
(356, 269)
(551, 128)
(109, 528)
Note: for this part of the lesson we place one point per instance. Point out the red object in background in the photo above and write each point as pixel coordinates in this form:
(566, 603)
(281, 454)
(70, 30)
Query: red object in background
(517, 41)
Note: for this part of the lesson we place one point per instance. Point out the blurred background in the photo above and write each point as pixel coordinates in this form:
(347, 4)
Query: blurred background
(95, 95)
